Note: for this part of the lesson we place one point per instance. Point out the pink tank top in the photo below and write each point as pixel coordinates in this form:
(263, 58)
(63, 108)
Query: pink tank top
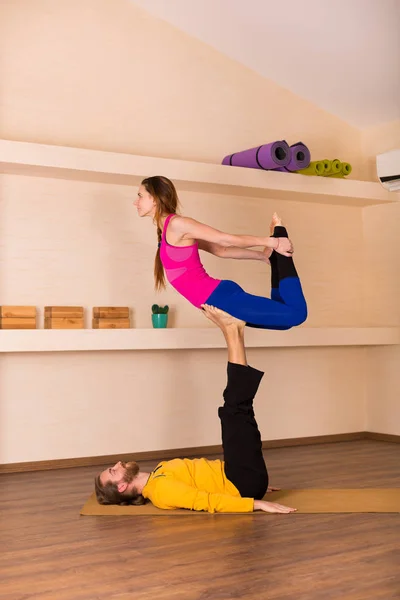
(184, 270)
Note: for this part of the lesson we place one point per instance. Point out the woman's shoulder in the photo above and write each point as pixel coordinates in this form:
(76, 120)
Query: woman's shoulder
(179, 223)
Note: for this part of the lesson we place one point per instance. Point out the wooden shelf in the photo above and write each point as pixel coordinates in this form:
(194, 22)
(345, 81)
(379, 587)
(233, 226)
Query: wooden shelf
(47, 340)
(111, 167)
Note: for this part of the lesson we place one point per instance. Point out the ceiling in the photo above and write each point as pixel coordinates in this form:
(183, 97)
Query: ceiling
(344, 56)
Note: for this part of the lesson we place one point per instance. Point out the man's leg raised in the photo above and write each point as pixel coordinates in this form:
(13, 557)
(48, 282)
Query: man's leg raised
(241, 440)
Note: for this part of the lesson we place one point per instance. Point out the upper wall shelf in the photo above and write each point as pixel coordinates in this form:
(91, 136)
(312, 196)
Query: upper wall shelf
(128, 169)
(77, 340)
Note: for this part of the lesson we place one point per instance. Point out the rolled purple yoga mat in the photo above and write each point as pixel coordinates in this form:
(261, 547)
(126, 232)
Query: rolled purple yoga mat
(300, 157)
(267, 156)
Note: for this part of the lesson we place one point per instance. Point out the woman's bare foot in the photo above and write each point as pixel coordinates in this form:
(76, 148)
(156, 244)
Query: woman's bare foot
(221, 318)
(267, 254)
(276, 221)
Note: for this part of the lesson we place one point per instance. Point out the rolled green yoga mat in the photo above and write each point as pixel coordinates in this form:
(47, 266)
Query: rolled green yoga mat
(327, 168)
(315, 167)
(331, 167)
(345, 170)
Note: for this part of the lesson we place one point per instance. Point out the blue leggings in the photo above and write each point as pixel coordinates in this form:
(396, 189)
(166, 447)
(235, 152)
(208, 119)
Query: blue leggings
(285, 309)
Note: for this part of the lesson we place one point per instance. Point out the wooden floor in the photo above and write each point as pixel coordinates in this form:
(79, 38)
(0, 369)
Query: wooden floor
(49, 552)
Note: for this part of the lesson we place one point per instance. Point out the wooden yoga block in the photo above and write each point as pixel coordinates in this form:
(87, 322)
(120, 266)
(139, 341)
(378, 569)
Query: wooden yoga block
(111, 312)
(63, 323)
(17, 323)
(111, 324)
(19, 312)
(64, 312)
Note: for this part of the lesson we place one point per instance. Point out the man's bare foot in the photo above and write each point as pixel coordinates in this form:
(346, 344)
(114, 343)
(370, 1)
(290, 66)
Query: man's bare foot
(221, 318)
(276, 221)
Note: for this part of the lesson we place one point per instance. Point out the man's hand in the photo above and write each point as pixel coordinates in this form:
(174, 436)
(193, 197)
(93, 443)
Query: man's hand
(272, 507)
(273, 489)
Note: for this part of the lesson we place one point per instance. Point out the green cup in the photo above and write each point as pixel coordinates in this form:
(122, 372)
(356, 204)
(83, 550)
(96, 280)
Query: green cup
(159, 321)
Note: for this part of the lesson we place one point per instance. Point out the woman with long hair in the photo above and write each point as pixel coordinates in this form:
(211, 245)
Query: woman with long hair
(179, 241)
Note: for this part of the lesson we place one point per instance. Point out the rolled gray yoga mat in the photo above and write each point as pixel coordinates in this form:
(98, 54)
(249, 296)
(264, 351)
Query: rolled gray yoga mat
(268, 156)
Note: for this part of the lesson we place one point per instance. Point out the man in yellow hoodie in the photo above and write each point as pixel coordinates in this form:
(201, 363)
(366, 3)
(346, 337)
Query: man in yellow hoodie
(236, 484)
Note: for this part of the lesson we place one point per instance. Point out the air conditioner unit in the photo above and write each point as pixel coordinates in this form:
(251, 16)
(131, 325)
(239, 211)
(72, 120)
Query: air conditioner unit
(388, 170)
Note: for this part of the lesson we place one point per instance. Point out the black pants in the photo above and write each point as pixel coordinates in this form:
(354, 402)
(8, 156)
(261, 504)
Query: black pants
(241, 440)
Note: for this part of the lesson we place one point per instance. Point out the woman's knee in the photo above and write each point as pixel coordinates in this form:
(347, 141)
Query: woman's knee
(299, 316)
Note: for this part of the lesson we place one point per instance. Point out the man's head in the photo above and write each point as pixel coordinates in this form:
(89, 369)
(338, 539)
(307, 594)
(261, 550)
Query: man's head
(116, 485)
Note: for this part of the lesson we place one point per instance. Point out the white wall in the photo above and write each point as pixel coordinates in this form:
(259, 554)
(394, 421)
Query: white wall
(383, 390)
(376, 140)
(382, 293)
(69, 242)
(67, 405)
(102, 75)
(106, 75)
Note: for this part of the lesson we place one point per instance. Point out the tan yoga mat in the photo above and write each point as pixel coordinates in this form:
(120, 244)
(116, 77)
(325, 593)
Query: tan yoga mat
(306, 501)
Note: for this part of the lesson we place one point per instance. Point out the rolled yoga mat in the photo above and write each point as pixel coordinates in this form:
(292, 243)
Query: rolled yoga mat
(316, 167)
(345, 169)
(331, 167)
(267, 156)
(300, 157)
(362, 500)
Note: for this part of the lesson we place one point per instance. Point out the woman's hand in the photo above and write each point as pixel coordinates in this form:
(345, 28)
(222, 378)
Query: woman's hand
(284, 246)
(272, 507)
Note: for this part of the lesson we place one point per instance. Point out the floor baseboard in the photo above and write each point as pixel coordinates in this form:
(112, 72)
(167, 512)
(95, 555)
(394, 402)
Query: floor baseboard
(383, 437)
(317, 439)
(89, 461)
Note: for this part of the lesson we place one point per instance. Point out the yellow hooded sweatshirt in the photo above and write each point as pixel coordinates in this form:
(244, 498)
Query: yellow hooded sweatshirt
(197, 484)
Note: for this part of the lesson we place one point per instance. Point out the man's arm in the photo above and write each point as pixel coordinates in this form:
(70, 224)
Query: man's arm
(169, 493)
